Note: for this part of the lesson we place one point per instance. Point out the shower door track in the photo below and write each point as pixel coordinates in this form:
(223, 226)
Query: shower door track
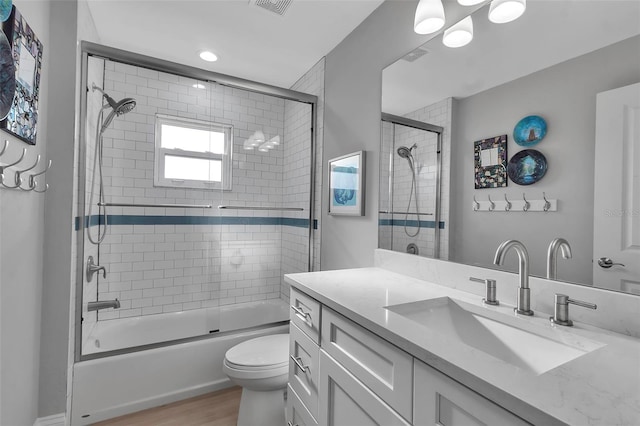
(420, 125)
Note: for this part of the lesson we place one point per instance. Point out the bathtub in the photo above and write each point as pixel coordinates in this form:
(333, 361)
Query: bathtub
(129, 381)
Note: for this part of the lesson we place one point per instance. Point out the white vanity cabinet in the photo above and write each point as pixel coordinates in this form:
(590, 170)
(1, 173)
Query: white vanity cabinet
(342, 374)
(439, 400)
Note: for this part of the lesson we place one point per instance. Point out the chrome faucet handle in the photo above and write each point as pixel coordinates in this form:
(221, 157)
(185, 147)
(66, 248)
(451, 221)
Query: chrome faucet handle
(561, 309)
(490, 298)
(92, 268)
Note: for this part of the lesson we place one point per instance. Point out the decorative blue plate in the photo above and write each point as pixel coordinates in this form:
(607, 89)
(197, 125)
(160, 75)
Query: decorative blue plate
(526, 167)
(7, 76)
(530, 130)
(5, 9)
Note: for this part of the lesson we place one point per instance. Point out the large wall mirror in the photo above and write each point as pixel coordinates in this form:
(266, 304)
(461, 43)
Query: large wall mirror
(576, 66)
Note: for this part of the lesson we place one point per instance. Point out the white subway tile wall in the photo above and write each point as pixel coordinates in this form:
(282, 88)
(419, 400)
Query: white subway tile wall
(159, 261)
(394, 237)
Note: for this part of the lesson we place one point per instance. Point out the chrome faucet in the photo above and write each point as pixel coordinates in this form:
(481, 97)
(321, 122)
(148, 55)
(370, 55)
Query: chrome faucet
(552, 256)
(103, 304)
(524, 297)
(92, 268)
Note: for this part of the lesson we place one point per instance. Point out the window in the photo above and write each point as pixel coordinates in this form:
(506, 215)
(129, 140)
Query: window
(192, 153)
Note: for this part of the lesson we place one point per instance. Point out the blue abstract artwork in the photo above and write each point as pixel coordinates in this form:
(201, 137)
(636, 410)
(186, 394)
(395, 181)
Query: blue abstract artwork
(527, 167)
(346, 191)
(346, 186)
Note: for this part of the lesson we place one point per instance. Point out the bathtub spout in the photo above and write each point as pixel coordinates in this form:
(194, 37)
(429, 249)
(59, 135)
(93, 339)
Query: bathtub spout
(103, 304)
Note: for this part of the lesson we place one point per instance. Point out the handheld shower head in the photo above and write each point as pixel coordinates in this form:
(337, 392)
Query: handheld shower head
(117, 108)
(405, 152)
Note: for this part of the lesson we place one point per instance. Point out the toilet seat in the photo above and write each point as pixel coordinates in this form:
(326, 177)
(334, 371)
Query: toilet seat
(263, 353)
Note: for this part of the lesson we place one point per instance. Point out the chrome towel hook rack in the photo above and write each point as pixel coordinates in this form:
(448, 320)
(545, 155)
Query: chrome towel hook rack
(18, 176)
(515, 205)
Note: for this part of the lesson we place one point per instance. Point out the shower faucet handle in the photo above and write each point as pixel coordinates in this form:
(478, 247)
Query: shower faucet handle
(490, 298)
(92, 268)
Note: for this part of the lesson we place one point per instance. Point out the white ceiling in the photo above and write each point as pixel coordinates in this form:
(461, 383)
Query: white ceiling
(250, 41)
(550, 32)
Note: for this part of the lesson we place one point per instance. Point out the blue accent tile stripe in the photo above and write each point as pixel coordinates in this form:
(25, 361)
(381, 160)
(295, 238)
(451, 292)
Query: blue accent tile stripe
(412, 223)
(195, 220)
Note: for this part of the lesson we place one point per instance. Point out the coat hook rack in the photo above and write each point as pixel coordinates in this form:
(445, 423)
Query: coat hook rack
(520, 205)
(18, 175)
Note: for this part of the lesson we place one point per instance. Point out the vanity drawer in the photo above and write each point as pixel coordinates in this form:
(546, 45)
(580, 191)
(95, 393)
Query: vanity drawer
(303, 368)
(305, 313)
(384, 368)
(297, 413)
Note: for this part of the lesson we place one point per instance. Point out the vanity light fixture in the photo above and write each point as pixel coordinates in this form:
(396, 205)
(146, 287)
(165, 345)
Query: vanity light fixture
(274, 140)
(429, 17)
(503, 11)
(198, 86)
(208, 56)
(459, 34)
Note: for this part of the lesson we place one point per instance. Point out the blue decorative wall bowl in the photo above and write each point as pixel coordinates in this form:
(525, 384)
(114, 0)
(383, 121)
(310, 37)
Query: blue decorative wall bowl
(527, 167)
(5, 9)
(530, 130)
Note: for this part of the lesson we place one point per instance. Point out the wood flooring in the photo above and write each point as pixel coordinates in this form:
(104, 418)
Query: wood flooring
(213, 409)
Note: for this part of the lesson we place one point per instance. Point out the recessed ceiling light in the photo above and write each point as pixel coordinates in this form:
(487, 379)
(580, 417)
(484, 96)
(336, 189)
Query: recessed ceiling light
(208, 56)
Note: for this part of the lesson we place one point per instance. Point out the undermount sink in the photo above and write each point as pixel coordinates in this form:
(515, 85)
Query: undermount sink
(494, 334)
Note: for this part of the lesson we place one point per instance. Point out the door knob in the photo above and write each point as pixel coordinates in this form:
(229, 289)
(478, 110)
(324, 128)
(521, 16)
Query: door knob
(606, 263)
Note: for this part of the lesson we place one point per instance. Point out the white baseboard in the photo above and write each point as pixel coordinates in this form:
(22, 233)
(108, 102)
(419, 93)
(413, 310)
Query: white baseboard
(54, 420)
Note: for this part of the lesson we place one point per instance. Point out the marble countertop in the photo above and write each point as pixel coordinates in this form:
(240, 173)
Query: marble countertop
(601, 387)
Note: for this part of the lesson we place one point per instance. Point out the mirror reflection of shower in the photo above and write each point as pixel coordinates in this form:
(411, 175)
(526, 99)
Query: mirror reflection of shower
(116, 109)
(406, 153)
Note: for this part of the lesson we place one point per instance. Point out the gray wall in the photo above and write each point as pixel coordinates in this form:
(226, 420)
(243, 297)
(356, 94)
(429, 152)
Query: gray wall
(353, 82)
(565, 95)
(21, 253)
(59, 217)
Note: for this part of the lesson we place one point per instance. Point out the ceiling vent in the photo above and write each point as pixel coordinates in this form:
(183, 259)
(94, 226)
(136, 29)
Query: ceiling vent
(415, 54)
(276, 6)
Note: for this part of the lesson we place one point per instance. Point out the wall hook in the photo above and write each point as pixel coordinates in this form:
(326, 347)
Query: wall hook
(507, 205)
(18, 174)
(547, 204)
(476, 204)
(32, 182)
(526, 205)
(3, 168)
(46, 187)
(4, 147)
(492, 205)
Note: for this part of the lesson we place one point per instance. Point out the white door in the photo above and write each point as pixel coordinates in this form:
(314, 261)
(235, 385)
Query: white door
(616, 233)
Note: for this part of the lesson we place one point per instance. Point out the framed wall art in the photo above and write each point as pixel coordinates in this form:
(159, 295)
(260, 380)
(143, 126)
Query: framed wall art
(490, 162)
(346, 185)
(26, 48)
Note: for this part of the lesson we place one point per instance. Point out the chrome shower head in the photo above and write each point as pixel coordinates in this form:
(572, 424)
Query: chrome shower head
(405, 152)
(117, 108)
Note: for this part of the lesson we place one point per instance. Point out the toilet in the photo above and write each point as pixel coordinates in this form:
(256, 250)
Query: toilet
(261, 367)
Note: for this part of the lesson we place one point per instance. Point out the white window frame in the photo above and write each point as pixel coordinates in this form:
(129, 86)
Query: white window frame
(161, 153)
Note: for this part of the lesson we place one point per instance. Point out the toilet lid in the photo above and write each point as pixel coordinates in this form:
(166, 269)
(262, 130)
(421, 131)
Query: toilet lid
(263, 351)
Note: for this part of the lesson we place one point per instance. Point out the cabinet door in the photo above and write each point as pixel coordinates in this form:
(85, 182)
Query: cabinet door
(297, 413)
(439, 400)
(346, 401)
(383, 367)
